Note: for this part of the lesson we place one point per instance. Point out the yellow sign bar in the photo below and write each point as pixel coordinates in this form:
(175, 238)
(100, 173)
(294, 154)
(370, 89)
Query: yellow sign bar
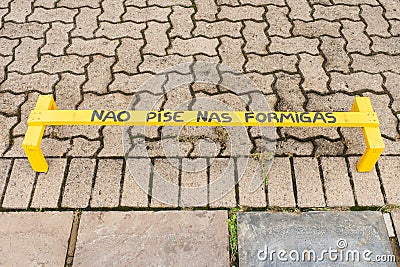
(202, 118)
(45, 113)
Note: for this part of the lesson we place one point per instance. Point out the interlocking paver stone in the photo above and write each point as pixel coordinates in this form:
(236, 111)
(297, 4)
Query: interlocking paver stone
(5, 167)
(293, 45)
(218, 28)
(376, 23)
(278, 21)
(315, 77)
(25, 55)
(112, 10)
(61, 14)
(29, 238)
(156, 38)
(396, 221)
(20, 9)
(299, 10)
(357, 40)
(83, 47)
(99, 74)
(18, 30)
(316, 28)
(144, 14)
(194, 182)
(7, 46)
(262, 236)
(336, 56)
(231, 53)
(356, 82)
(181, 21)
(86, 22)
(336, 12)
(177, 237)
(54, 64)
(57, 39)
(271, 63)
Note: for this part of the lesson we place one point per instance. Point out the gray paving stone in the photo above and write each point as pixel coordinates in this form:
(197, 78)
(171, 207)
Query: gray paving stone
(5, 165)
(366, 186)
(19, 188)
(136, 182)
(390, 168)
(396, 222)
(308, 182)
(280, 186)
(106, 188)
(48, 185)
(167, 238)
(222, 183)
(194, 183)
(165, 188)
(320, 238)
(79, 183)
(252, 170)
(337, 182)
(34, 239)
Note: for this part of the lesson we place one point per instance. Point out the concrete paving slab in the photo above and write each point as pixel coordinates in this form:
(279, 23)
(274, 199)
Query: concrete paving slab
(34, 239)
(167, 238)
(345, 238)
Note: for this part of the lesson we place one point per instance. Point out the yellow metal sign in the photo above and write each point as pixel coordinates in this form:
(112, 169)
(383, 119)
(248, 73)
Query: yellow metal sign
(46, 113)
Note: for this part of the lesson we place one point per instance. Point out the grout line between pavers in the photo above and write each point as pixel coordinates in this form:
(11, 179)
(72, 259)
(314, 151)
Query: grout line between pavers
(70, 253)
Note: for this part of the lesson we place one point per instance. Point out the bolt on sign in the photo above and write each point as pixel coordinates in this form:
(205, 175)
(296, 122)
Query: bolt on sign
(46, 113)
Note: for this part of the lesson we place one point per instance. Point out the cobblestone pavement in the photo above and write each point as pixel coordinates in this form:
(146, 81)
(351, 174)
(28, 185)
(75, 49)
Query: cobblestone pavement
(314, 55)
(303, 56)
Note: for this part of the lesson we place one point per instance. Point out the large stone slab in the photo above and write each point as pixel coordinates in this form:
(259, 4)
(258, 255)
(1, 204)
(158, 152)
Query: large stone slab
(144, 238)
(34, 239)
(345, 238)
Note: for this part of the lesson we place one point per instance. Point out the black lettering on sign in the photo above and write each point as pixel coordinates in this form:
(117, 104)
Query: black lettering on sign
(177, 116)
(167, 116)
(202, 116)
(151, 115)
(214, 116)
(287, 117)
(248, 115)
(304, 117)
(272, 115)
(123, 116)
(330, 115)
(226, 117)
(261, 117)
(96, 114)
(319, 116)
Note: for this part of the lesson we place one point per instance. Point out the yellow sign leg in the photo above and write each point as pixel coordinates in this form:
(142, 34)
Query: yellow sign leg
(34, 134)
(372, 136)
